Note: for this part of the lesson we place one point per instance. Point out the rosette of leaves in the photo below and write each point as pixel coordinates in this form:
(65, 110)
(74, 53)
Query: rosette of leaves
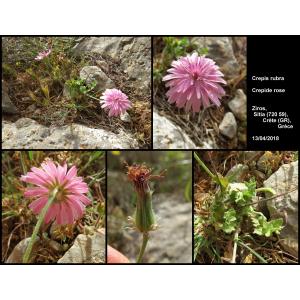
(234, 204)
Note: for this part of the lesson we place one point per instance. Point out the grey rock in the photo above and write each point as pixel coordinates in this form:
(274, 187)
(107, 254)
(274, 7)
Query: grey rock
(172, 242)
(125, 117)
(31, 108)
(167, 135)
(237, 173)
(285, 179)
(7, 106)
(55, 246)
(134, 54)
(228, 126)
(103, 65)
(94, 73)
(28, 134)
(86, 249)
(220, 49)
(17, 254)
(238, 105)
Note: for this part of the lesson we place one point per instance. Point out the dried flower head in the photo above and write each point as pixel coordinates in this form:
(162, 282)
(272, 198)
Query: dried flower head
(43, 54)
(115, 102)
(144, 217)
(193, 82)
(70, 200)
(140, 175)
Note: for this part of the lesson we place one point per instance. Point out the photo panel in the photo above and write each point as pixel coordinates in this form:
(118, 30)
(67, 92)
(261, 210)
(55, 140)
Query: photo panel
(149, 207)
(246, 207)
(76, 92)
(53, 207)
(199, 92)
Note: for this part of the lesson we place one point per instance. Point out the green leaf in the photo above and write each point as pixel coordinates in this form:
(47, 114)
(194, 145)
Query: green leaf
(230, 221)
(263, 227)
(223, 181)
(253, 252)
(82, 89)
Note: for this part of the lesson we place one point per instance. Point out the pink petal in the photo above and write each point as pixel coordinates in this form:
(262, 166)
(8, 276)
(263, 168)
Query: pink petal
(38, 191)
(51, 213)
(37, 205)
(71, 173)
(77, 206)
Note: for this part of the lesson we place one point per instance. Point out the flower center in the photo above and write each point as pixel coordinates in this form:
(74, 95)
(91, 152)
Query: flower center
(61, 194)
(195, 75)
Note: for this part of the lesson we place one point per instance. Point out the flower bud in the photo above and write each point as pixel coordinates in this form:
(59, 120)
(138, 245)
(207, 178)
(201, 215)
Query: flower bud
(144, 216)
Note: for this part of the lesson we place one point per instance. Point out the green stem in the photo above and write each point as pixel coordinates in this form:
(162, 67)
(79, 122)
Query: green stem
(266, 189)
(92, 97)
(253, 252)
(205, 168)
(235, 239)
(144, 244)
(22, 158)
(41, 218)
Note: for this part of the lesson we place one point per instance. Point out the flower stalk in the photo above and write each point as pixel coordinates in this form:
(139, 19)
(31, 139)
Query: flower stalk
(144, 216)
(143, 247)
(41, 218)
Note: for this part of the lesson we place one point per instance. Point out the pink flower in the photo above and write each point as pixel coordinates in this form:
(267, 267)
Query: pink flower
(70, 200)
(43, 54)
(115, 101)
(194, 82)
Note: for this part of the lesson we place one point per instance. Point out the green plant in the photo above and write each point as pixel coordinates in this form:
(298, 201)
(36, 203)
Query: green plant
(78, 87)
(232, 208)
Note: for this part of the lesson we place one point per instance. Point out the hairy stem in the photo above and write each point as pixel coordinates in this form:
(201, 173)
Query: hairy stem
(266, 189)
(41, 218)
(253, 252)
(143, 247)
(235, 239)
(92, 97)
(205, 168)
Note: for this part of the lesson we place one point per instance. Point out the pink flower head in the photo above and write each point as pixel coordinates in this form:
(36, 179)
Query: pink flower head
(43, 54)
(194, 82)
(70, 200)
(115, 101)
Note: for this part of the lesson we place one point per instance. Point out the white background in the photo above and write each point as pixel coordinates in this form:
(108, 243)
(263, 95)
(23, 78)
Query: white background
(193, 17)
(163, 17)
(149, 282)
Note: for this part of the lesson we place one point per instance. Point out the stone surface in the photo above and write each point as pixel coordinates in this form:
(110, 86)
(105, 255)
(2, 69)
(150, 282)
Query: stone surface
(283, 180)
(17, 254)
(220, 50)
(28, 134)
(125, 117)
(237, 173)
(93, 73)
(172, 242)
(238, 105)
(31, 108)
(86, 249)
(7, 106)
(134, 54)
(167, 135)
(228, 126)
